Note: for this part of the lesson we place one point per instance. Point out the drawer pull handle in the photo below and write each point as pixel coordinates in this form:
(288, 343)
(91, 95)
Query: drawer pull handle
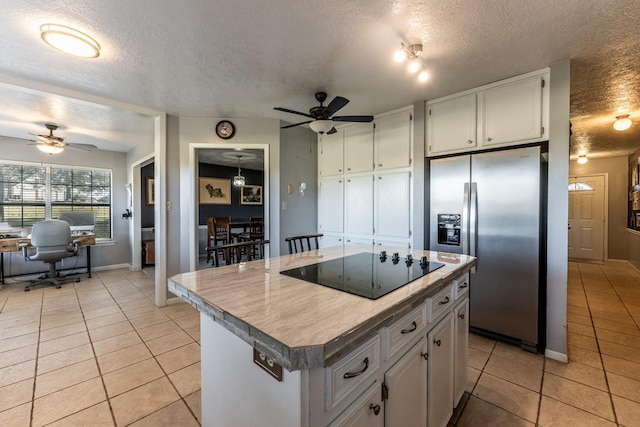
(425, 356)
(375, 408)
(348, 375)
(464, 285)
(444, 301)
(437, 342)
(461, 315)
(414, 326)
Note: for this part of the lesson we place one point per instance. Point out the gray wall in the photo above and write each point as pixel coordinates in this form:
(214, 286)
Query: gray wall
(298, 163)
(616, 168)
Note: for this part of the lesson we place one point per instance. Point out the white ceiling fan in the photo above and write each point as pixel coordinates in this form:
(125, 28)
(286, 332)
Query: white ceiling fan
(52, 144)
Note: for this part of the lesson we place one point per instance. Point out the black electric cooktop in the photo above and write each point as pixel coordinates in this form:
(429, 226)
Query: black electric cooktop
(367, 275)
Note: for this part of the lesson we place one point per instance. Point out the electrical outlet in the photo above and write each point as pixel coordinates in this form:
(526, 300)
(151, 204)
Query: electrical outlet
(284, 206)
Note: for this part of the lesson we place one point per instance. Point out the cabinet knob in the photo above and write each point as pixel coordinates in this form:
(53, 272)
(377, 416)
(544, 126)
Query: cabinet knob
(488, 139)
(339, 170)
(348, 169)
(469, 141)
(379, 165)
(375, 408)
(437, 342)
(425, 355)
(461, 315)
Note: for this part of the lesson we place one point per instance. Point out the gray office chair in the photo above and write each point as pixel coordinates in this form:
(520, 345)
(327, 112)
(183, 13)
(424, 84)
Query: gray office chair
(52, 242)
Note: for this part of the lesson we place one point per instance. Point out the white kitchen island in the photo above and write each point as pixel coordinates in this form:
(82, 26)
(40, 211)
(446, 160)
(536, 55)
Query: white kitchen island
(399, 360)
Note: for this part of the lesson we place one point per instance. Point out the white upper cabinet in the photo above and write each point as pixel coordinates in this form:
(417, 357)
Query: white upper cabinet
(392, 140)
(358, 141)
(451, 124)
(513, 112)
(510, 112)
(330, 157)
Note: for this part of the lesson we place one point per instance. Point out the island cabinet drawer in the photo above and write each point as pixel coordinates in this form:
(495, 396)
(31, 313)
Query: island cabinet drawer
(439, 303)
(460, 286)
(406, 329)
(352, 374)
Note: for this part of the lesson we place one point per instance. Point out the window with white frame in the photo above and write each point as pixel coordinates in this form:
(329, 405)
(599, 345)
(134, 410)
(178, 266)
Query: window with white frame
(33, 192)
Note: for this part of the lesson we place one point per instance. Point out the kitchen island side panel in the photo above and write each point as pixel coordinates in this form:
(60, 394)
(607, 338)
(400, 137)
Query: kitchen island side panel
(236, 392)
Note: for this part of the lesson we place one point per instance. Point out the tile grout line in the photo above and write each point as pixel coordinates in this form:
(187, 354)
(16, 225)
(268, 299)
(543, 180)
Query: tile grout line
(35, 372)
(606, 377)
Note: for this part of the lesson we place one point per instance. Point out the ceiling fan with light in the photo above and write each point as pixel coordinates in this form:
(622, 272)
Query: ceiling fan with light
(322, 117)
(52, 144)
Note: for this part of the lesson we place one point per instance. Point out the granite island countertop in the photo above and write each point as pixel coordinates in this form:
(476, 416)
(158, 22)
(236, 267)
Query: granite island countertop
(299, 324)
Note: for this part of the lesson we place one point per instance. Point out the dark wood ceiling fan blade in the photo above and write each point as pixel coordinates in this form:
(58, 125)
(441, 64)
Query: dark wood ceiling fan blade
(336, 104)
(286, 110)
(297, 124)
(85, 147)
(359, 119)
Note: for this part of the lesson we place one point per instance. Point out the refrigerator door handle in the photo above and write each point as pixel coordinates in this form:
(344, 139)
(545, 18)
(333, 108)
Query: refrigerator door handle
(473, 223)
(465, 220)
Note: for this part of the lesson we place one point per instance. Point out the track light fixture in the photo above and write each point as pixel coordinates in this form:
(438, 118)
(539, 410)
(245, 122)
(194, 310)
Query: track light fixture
(412, 53)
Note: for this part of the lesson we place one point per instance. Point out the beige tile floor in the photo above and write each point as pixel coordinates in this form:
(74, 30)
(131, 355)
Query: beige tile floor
(600, 386)
(99, 353)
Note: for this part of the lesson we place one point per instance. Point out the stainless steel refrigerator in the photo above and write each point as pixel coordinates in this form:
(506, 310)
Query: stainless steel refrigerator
(489, 205)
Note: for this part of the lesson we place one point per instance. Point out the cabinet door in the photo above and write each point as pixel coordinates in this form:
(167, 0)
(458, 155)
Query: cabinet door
(392, 140)
(461, 337)
(358, 140)
(331, 205)
(359, 204)
(328, 240)
(362, 413)
(330, 154)
(451, 125)
(406, 383)
(392, 204)
(513, 112)
(440, 382)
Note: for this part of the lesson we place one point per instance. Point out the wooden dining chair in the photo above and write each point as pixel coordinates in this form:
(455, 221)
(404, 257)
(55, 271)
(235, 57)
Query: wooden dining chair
(234, 253)
(296, 243)
(218, 232)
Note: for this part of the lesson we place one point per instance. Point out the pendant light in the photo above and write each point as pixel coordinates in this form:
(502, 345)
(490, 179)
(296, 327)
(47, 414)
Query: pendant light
(238, 180)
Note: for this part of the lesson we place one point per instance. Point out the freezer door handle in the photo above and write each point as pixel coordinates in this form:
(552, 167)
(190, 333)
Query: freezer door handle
(465, 220)
(473, 222)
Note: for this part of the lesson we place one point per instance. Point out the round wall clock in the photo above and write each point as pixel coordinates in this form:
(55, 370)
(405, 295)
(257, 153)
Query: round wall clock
(225, 129)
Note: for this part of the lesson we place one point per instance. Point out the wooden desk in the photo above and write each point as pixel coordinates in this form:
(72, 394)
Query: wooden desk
(12, 244)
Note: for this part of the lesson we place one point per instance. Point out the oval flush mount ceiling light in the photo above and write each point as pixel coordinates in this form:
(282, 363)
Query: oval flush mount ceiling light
(69, 41)
(582, 159)
(622, 122)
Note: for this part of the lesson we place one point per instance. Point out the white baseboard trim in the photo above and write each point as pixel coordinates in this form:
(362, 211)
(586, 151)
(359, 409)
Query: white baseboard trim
(111, 267)
(560, 357)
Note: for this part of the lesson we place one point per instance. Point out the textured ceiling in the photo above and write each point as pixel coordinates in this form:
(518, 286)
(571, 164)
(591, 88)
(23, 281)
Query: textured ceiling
(240, 59)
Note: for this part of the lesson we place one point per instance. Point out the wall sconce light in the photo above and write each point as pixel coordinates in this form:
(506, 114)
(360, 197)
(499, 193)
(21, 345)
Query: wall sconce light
(622, 122)
(582, 159)
(412, 53)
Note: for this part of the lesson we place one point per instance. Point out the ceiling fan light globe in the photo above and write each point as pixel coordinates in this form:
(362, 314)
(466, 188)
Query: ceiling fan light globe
(423, 76)
(399, 56)
(622, 123)
(321, 126)
(414, 66)
(50, 149)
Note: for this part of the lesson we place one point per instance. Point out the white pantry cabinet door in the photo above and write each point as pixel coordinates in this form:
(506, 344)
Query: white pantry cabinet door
(392, 204)
(359, 204)
(330, 154)
(461, 336)
(331, 205)
(358, 141)
(392, 140)
(440, 382)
